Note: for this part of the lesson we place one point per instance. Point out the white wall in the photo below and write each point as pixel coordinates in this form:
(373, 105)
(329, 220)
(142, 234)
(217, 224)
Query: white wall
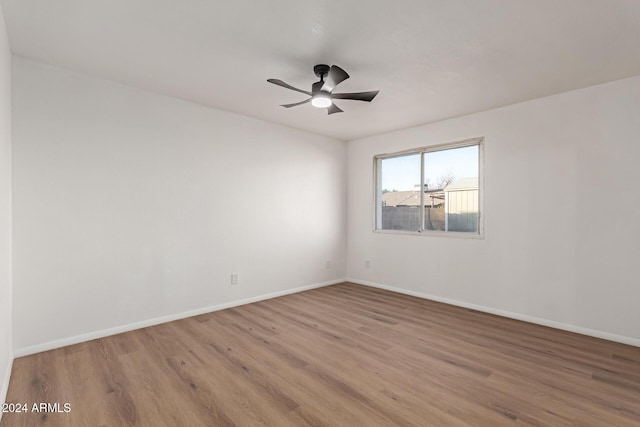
(6, 354)
(131, 206)
(562, 242)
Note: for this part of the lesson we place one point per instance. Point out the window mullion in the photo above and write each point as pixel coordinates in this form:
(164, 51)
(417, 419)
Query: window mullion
(421, 228)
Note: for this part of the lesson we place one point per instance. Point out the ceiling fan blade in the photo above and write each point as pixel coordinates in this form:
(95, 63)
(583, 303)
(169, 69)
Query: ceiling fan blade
(333, 108)
(335, 76)
(283, 84)
(357, 96)
(296, 104)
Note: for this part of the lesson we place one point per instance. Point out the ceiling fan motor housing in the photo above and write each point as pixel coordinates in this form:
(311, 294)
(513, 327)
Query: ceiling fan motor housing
(315, 88)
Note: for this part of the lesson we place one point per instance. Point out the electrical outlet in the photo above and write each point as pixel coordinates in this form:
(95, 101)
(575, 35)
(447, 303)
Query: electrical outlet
(327, 264)
(367, 264)
(234, 278)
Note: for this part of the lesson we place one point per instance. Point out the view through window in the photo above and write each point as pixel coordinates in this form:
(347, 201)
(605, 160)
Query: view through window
(430, 189)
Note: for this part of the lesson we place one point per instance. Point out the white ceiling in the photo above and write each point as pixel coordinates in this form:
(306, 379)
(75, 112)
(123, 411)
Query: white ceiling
(430, 59)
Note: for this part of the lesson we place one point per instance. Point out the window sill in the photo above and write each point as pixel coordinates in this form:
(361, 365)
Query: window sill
(429, 233)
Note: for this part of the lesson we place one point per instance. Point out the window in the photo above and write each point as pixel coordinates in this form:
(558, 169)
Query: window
(431, 189)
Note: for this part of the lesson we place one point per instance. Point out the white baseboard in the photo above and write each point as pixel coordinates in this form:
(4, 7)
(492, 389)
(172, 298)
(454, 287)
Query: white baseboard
(5, 382)
(531, 319)
(50, 345)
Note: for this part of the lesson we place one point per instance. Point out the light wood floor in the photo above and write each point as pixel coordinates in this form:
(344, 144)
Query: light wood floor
(344, 355)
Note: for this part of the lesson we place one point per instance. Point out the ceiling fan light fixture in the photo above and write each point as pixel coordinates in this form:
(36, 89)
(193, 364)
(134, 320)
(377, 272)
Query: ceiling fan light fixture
(321, 94)
(321, 100)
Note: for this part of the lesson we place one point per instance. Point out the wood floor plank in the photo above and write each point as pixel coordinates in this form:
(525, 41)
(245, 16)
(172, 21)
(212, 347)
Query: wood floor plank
(342, 355)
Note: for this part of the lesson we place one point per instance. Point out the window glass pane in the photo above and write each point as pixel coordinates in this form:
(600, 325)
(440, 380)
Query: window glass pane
(399, 193)
(451, 190)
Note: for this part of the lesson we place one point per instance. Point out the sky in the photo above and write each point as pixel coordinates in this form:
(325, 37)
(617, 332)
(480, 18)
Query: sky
(403, 173)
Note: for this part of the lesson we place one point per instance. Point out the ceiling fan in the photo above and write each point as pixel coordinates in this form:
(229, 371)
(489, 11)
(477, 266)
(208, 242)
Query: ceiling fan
(321, 95)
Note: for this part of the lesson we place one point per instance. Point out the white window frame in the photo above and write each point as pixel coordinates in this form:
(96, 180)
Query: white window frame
(377, 189)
